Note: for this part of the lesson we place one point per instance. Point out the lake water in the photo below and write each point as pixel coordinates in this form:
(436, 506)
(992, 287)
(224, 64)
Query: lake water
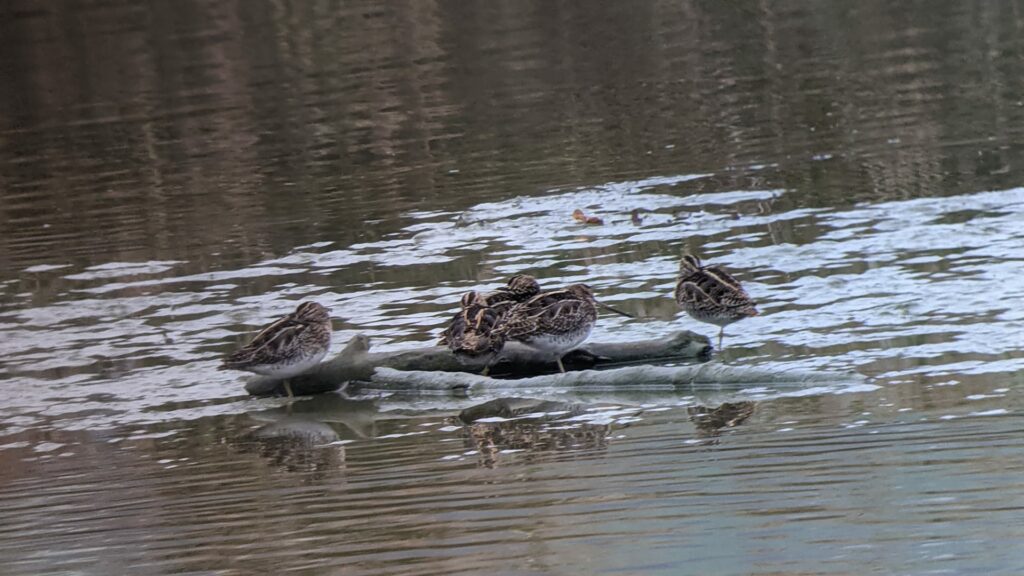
(174, 175)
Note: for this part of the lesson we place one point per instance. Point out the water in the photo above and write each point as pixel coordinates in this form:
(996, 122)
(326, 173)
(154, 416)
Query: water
(174, 175)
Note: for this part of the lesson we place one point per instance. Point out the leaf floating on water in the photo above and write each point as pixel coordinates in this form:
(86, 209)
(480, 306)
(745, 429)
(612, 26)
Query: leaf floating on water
(582, 218)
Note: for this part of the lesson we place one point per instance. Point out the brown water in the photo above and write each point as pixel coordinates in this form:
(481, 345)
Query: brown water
(174, 175)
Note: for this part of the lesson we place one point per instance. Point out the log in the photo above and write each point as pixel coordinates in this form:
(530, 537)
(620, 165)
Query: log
(646, 378)
(516, 407)
(355, 363)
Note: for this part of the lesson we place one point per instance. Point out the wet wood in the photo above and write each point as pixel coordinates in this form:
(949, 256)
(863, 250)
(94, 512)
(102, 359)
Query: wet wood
(357, 364)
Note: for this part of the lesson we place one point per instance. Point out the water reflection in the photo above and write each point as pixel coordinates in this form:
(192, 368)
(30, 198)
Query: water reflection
(172, 173)
(710, 422)
(350, 418)
(251, 129)
(532, 426)
(493, 439)
(296, 444)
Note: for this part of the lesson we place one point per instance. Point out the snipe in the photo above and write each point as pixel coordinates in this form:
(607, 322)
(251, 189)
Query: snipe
(519, 288)
(709, 294)
(553, 323)
(288, 347)
(470, 334)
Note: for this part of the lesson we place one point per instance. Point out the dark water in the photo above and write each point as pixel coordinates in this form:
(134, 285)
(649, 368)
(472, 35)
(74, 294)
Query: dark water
(175, 174)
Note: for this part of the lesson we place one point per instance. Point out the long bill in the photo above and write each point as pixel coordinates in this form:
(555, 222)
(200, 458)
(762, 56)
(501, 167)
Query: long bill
(616, 310)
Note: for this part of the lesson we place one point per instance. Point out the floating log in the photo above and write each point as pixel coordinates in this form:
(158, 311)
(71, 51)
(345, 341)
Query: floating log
(357, 363)
(629, 377)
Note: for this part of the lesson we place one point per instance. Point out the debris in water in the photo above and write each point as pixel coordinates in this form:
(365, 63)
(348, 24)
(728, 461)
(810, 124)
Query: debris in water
(636, 217)
(579, 216)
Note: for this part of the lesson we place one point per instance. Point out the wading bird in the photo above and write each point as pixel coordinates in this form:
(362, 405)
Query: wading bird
(709, 294)
(288, 347)
(553, 323)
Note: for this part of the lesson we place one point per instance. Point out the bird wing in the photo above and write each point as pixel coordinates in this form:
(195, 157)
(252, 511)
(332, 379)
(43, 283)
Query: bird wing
(712, 286)
(451, 329)
(688, 292)
(456, 328)
(551, 313)
(498, 296)
(562, 316)
(268, 342)
(471, 330)
(725, 279)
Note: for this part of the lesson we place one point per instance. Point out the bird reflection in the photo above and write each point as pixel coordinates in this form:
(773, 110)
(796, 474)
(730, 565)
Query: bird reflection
(711, 421)
(296, 444)
(545, 432)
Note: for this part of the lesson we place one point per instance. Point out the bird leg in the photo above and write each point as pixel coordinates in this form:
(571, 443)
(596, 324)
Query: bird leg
(721, 330)
(561, 368)
(288, 389)
(487, 369)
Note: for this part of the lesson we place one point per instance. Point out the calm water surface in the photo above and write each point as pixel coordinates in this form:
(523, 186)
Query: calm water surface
(175, 174)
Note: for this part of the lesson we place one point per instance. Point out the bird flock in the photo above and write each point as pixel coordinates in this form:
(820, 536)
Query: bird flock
(549, 323)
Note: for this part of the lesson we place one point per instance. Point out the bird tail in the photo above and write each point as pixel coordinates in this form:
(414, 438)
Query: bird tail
(232, 362)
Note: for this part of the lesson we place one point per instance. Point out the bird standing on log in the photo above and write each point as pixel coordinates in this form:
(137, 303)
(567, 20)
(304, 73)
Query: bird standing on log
(470, 334)
(553, 323)
(709, 294)
(288, 347)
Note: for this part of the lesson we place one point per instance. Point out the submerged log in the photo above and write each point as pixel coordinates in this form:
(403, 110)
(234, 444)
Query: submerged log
(357, 363)
(514, 407)
(629, 377)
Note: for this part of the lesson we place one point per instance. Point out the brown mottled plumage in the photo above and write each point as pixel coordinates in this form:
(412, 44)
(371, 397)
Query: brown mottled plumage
(553, 322)
(519, 288)
(469, 335)
(288, 347)
(709, 294)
